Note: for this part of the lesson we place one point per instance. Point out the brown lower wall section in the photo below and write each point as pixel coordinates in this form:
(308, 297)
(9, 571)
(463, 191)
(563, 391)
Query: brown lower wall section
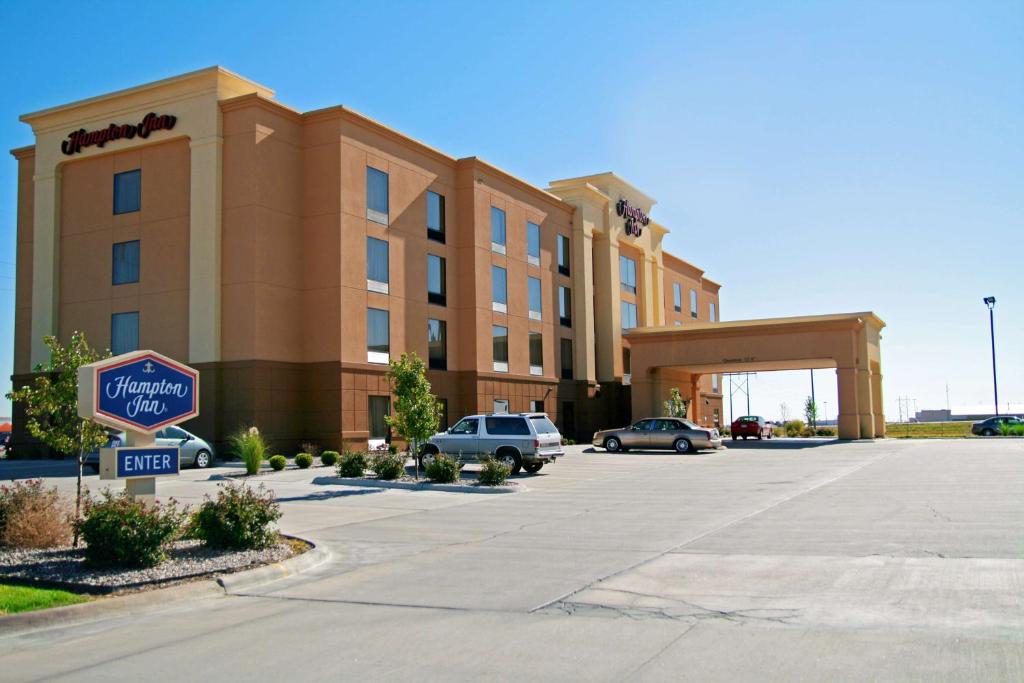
(327, 403)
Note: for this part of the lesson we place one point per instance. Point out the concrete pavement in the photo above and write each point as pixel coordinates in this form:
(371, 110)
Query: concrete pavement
(893, 560)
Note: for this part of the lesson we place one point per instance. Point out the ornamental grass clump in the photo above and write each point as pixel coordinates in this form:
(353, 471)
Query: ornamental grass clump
(329, 458)
(34, 517)
(444, 469)
(303, 460)
(352, 464)
(123, 532)
(278, 462)
(386, 465)
(239, 518)
(493, 472)
(249, 445)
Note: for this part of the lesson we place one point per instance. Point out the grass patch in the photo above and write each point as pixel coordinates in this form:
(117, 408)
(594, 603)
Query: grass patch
(927, 430)
(14, 599)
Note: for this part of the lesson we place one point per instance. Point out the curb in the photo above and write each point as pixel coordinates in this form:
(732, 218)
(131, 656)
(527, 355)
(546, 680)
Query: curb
(246, 580)
(420, 486)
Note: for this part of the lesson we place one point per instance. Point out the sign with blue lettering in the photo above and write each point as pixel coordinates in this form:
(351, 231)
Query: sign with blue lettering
(141, 391)
(145, 461)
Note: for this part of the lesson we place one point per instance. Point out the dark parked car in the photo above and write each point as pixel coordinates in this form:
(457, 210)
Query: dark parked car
(991, 426)
(751, 425)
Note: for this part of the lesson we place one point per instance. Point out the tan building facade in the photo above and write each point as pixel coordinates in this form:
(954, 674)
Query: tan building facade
(290, 255)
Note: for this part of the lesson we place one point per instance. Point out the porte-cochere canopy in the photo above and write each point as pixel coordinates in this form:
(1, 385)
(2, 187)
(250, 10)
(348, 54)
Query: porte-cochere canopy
(666, 357)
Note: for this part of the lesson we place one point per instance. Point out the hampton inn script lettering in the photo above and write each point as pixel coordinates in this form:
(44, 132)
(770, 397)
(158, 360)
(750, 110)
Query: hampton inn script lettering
(143, 397)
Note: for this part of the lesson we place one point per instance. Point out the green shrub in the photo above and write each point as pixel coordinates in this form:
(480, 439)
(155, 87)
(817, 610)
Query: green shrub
(724, 430)
(444, 469)
(303, 460)
(794, 427)
(825, 431)
(239, 518)
(493, 472)
(33, 517)
(387, 465)
(250, 446)
(392, 449)
(329, 458)
(806, 432)
(278, 462)
(120, 531)
(352, 464)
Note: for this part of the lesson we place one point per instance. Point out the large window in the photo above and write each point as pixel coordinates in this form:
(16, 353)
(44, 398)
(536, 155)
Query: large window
(566, 354)
(377, 408)
(378, 335)
(376, 265)
(376, 195)
(565, 306)
(713, 312)
(533, 291)
(497, 230)
(714, 384)
(627, 274)
(533, 243)
(126, 262)
(128, 191)
(436, 280)
(124, 332)
(499, 336)
(435, 216)
(499, 289)
(437, 344)
(693, 303)
(536, 354)
(628, 315)
(563, 254)
(677, 296)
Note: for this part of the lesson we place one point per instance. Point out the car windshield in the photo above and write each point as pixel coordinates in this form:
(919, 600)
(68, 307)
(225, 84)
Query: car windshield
(543, 425)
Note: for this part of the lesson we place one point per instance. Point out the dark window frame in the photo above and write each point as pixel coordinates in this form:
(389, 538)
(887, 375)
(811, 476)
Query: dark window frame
(138, 331)
(563, 249)
(436, 234)
(138, 262)
(136, 172)
(438, 298)
(442, 362)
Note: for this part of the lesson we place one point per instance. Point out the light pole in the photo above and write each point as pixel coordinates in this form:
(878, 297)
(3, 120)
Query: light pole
(990, 301)
(814, 421)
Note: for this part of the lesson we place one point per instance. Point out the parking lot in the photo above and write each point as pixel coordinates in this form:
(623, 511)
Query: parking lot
(781, 560)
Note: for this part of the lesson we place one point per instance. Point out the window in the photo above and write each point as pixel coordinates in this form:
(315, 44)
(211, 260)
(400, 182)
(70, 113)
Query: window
(533, 243)
(443, 408)
(126, 262)
(541, 423)
(565, 306)
(677, 297)
(499, 336)
(627, 360)
(124, 332)
(693, 303)
(376, 195)
(469, 425)
(127, 191)
(536, 354)
(627, 274)
(436, 280)
(437, 344)
(499, 289)
(537, 407)
(376, 265)
(566, 353)
(377, 407)
(628, 315)
(714, 383)
(507, 426)
(378, 335)
(563, 254)
(500, 405)
(176, 433)
(713, 312)
(435, 216)
(497, 230)
(533, 290)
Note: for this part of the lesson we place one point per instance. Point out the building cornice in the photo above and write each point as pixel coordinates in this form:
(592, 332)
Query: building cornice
(492, 170)
(25, 152)
(835, 321)
(257, 100)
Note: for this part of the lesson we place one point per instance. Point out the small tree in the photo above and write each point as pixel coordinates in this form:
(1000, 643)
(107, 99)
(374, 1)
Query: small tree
(51, 405)
(676, 405)
(784, 412)
(416, 412)
(811, 411)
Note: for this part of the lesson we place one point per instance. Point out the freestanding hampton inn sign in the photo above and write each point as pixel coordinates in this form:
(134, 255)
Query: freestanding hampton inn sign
(140, 392)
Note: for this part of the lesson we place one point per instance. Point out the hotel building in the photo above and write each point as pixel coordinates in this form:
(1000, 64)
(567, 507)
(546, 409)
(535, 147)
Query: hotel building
(289, 255)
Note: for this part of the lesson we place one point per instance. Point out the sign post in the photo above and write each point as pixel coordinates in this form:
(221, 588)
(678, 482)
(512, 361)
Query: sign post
(140, 392)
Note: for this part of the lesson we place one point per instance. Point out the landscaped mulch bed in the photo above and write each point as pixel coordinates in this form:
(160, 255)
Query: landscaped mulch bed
(66, 568)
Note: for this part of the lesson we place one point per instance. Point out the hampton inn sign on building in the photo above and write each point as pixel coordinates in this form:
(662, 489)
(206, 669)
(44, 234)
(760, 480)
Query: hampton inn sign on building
(287, 256)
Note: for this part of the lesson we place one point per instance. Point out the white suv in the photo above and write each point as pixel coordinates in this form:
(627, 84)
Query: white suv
(523, 441)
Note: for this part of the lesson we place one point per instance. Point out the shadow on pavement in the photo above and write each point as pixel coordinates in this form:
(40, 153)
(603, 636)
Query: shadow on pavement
(33, 469)
(778, 444)
(328, 495)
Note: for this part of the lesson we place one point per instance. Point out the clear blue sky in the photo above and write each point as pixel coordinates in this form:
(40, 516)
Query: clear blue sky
(813, 157)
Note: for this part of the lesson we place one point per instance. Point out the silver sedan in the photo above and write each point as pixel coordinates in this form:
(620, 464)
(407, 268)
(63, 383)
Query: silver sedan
(671, 433)
(195, 452)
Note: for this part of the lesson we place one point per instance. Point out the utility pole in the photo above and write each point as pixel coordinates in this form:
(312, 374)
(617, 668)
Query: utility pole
(990, 301)
(813, 403)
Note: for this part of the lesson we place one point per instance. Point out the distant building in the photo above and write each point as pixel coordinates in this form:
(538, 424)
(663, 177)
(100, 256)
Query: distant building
(970, 412)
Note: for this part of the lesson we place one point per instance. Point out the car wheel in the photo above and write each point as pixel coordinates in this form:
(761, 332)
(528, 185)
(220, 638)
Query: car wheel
(760, 436)
(203, 460)
(612, 445)
(511, 457)
(988, 432)
(427, 456)
(532, 467)
(771, 434)
(683, 446)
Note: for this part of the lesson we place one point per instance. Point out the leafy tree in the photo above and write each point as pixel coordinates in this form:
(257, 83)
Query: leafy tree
(416, 413)
(676, 405)
(51, 405)
(811, 411)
